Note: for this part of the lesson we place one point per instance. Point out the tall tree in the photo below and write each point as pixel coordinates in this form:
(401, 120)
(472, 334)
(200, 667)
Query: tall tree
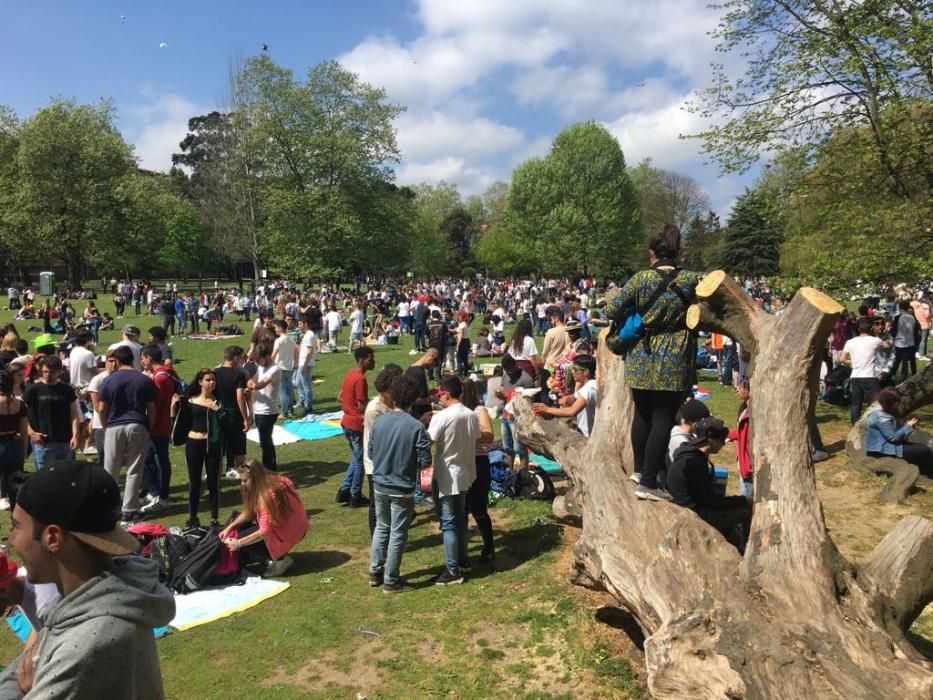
(751, 246)
(11, 228)
(433, 203)
(71, 160)
(702, 245)
(460, 231)
(667, 197)
(577, 206)
(815, 68)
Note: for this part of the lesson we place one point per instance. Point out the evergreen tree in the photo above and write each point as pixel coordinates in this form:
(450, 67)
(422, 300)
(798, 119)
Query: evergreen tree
(753, 238)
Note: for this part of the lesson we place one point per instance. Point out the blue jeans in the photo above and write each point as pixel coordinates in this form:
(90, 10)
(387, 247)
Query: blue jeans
(306, 387)
(404, 323)
(158, 465)
(510, 443)
(353, 481)
(286, 392)
(421, 336)
(51, 452)
(451, 511)
(393, 519)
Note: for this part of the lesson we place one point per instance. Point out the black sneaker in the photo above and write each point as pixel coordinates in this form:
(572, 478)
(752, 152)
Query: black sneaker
(359, 502)
(398, 587)
(466, 567)
(375, 580)
(448, 578)
(129, 516)
(343, 496)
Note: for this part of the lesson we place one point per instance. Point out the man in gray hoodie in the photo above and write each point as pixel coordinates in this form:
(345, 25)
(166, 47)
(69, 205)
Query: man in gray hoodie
(98, 642)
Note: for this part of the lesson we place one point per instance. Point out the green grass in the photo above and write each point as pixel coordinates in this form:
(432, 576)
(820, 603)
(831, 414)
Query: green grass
(516, 630)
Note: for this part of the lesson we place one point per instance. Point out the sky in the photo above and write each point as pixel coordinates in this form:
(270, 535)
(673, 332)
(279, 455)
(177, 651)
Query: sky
(486, 83)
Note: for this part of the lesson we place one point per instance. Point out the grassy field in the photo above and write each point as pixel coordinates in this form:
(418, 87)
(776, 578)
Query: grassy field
(515, 629)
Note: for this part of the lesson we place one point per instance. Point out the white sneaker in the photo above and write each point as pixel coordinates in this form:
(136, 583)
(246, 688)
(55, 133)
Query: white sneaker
(4, 503)
(232, 474)
(89, 450)
(156, 505)
(150, 498)
(636, 477)
(277, 568)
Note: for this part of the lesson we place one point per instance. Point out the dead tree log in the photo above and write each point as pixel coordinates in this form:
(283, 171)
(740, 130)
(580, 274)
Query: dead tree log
(791, 619)
(915, 391)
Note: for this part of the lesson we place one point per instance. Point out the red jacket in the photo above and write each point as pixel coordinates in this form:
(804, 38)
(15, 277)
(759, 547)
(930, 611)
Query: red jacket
(742, 435)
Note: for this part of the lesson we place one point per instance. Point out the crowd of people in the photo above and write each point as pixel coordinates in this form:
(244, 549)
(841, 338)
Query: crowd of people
(423, 437)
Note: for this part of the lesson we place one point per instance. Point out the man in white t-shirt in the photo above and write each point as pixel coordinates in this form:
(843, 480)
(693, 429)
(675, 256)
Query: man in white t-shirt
(265, 387)
(332, 324)
(454, 432)
(93, 389)
(131, 340)
(581, 406)
(357, 319)
(859, 354)
(284, 352)
(307, 357)
(82, 362)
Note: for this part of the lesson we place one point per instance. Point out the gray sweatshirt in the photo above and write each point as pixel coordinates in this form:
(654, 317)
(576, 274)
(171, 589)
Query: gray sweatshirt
(98, 642)
(398, 445)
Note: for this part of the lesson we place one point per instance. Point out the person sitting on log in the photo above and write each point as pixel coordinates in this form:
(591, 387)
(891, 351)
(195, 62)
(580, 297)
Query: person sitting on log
(688, 416)
(581, 405)
(690, 482)
(886, 436)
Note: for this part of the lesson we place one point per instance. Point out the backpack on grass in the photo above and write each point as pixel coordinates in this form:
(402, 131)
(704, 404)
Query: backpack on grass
(167, 551)
(195, 570)
(535, 484)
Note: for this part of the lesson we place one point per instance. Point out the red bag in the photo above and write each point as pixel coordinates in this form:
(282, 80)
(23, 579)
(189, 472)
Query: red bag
(229, 561)
(427, 476)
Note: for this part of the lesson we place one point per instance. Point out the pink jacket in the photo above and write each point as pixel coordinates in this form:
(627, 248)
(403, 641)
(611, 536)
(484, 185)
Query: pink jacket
(280, 538)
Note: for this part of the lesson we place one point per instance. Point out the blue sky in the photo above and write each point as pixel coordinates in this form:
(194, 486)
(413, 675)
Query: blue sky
(486, 83)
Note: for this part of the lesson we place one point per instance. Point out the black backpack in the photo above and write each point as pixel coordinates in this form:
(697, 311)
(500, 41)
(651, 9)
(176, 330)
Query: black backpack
(168, 551)
(534, 483)
(196, 569)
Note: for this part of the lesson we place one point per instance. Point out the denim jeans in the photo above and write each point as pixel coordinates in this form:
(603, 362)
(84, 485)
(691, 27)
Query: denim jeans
(158, 465)
(404, 323)
(421, 336)
(510, 443)
(451, 511)
(393, 519)
(353, 481)
(306, 387)
(286, 392)
(924, 338)
(51, 452)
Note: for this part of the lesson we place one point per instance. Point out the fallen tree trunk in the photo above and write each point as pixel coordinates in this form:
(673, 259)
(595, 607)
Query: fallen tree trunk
(915, 391)
(792, 618)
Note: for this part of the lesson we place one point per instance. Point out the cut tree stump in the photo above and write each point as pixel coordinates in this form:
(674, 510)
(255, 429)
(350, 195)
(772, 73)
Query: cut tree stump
(792, 618)
(915, 391)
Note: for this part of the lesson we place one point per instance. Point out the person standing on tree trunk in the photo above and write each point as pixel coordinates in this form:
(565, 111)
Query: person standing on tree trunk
(661, 367)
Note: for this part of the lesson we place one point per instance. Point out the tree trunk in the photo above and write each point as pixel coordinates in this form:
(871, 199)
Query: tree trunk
(792, 618)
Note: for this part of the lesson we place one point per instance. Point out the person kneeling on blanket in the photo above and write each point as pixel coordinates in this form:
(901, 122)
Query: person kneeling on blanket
(273, 520)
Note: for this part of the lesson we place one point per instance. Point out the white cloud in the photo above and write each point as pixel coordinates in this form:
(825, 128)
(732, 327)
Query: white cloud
(157, 126)
(656, 134)
(429, 135)
(470, 179)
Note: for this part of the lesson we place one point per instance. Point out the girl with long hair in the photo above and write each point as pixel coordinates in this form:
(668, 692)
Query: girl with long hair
(478, 495)
(523, 348)
(463, 342)
(273, 520)
(203, 445)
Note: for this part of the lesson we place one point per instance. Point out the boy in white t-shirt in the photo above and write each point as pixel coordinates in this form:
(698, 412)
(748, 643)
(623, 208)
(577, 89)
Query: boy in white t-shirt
(357, 320)
(265, 387)
(859, 354)
(581, 406)
(307, 357)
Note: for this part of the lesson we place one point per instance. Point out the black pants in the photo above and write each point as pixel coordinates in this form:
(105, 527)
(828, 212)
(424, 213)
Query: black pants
(478, 501)
(11, 461)
(651, 430)
(909, 358)
(264, 425)
(168, 323)
(862, 391)
(255, 553)
(463, 357)
(202, 455)
(234, 440)
(733, 519)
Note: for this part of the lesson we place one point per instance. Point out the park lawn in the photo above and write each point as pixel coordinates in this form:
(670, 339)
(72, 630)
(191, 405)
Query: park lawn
(517, 629)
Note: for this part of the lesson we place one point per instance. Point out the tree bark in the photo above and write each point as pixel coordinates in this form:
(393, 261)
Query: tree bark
(792, 618)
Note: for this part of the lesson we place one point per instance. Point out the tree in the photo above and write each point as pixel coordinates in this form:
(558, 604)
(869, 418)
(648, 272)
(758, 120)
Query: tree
(577, 206)
(71, 160)
(790, 616)
(460, 231)
(702, 245)
(751, 246)
(10, 220)
(815, 69)
(186, 245)
(433, 204)
(667, 197)
(501, 252)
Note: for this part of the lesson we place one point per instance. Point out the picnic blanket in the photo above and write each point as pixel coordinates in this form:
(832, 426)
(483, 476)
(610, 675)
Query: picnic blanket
(314, 426)
(547, 464)
(191, 609)
(210, 336)
(201, 607)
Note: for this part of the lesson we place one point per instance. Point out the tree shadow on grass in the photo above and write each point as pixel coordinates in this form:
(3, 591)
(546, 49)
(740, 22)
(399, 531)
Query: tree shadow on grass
(316, 562)
(305, 474)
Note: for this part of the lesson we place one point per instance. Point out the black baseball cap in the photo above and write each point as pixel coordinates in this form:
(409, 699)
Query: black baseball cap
(694, 410)
(81, 498)
(708, 429)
